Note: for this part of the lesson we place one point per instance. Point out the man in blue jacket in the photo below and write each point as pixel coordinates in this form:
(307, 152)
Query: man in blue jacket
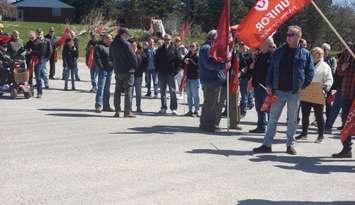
(212, 79)
(291, 69)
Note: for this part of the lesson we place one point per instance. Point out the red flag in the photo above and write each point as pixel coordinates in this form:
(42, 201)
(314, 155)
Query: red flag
(235, 75)
(4, 39)
(90, 62)
(224, 38)
(33, 62)
(185, 30)
(349, 127)
(64, 37)
(265, 18)
(184, 79)
(269, 100)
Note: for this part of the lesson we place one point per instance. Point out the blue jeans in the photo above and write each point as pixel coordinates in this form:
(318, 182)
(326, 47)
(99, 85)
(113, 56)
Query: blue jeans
(39, 74)
(193, 94)
(168, 81)
(76, 72)
(337, 105)
(138, 90)
(45, 74)
(246, 96)
(260, 95)
(293, 102)
(94, 71)
(66, 78)
(103, 90)
(152, 75)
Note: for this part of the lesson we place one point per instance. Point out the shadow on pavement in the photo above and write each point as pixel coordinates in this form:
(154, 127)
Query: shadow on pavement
(65, 110)
(307, 164)
(220, 152)
(170, 129)
(72, 115)
(267, 202)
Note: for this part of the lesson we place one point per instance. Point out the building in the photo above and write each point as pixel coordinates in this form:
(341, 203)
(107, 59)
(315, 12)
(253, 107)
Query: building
(43, 10)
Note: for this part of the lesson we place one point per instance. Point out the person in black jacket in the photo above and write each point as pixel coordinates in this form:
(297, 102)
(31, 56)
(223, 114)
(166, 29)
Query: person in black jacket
(124, 63)
(245, 60)
(259, 79)
(70, 55)
(138, 75)
(45, 53)
(166, 62)
(103, 62)
(193, 80)
(53, 57)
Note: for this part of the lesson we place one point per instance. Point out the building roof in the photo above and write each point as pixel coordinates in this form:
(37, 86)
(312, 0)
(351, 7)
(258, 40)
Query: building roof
(41, 4)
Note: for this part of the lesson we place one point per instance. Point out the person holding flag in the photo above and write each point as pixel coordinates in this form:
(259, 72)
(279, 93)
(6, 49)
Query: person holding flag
(291, 69)
(89, 59)
(347, 71)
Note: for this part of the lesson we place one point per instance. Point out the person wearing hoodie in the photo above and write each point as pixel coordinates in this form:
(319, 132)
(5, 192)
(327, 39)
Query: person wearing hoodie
(104, 63)
(124, 64)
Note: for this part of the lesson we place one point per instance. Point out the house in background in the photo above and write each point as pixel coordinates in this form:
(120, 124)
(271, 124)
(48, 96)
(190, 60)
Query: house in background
(43, 10)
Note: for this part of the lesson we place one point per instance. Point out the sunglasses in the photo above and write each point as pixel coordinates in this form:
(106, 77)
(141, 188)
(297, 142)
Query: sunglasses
(291, 34)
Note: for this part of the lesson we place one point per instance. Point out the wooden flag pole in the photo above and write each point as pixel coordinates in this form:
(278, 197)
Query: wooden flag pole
(333, 29)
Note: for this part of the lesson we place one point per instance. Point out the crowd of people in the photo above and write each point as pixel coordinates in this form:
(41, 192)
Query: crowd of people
(167, 64)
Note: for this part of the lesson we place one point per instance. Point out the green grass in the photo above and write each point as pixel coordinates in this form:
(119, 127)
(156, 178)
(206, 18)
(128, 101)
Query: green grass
(25, 27)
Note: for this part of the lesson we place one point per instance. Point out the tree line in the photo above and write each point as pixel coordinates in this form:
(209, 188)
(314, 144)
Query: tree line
(204, 15)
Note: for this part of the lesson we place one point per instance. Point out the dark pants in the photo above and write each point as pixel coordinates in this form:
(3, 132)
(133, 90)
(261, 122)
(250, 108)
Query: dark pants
(318, 111)
(52, 67)
(337, 106)
(212, 106)
(260, 95)
(138, 90)
(124, 83)
(166, 80)
(347, 105)
(39, 73)
(151, 75)
(246, 96)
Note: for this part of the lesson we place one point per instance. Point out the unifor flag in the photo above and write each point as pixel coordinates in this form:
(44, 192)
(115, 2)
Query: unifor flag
(224, 38)
(349, 127)
(265, 18)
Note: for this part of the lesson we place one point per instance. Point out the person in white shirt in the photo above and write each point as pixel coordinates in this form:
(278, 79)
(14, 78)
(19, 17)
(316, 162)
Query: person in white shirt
(322, 74)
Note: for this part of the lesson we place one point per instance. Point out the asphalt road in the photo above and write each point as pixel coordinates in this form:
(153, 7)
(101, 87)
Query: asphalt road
(56, 150)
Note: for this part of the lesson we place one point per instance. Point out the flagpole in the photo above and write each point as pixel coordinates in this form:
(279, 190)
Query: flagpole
(333, 29)
(228, 94)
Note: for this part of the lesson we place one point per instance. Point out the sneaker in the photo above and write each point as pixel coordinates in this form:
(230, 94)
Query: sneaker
(343, 154)
(301, 137)
(109, 109)
(73, 88)
(98, 110)
(148, 95)
(196, 114)
(257, 130)
(189, 114)
(116, 115)
(162, 111)
(129, 115)
(174, 112)
(291, 150)
(319, 140)
(139, 110)
(65, 88)
(46, 87)
(262, 149)
(39, 95)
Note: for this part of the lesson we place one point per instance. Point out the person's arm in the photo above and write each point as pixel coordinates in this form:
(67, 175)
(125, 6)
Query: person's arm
(97, 57)
(131, 56)
(328, 78)
(308, 71)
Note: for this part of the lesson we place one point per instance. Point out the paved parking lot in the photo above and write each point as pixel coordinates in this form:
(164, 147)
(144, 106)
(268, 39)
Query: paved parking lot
(56, 150)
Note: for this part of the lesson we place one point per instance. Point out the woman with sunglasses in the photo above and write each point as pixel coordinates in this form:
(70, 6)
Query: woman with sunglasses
(193, 80)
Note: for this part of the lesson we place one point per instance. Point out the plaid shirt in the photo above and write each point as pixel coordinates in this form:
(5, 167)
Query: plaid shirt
(348, 85)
